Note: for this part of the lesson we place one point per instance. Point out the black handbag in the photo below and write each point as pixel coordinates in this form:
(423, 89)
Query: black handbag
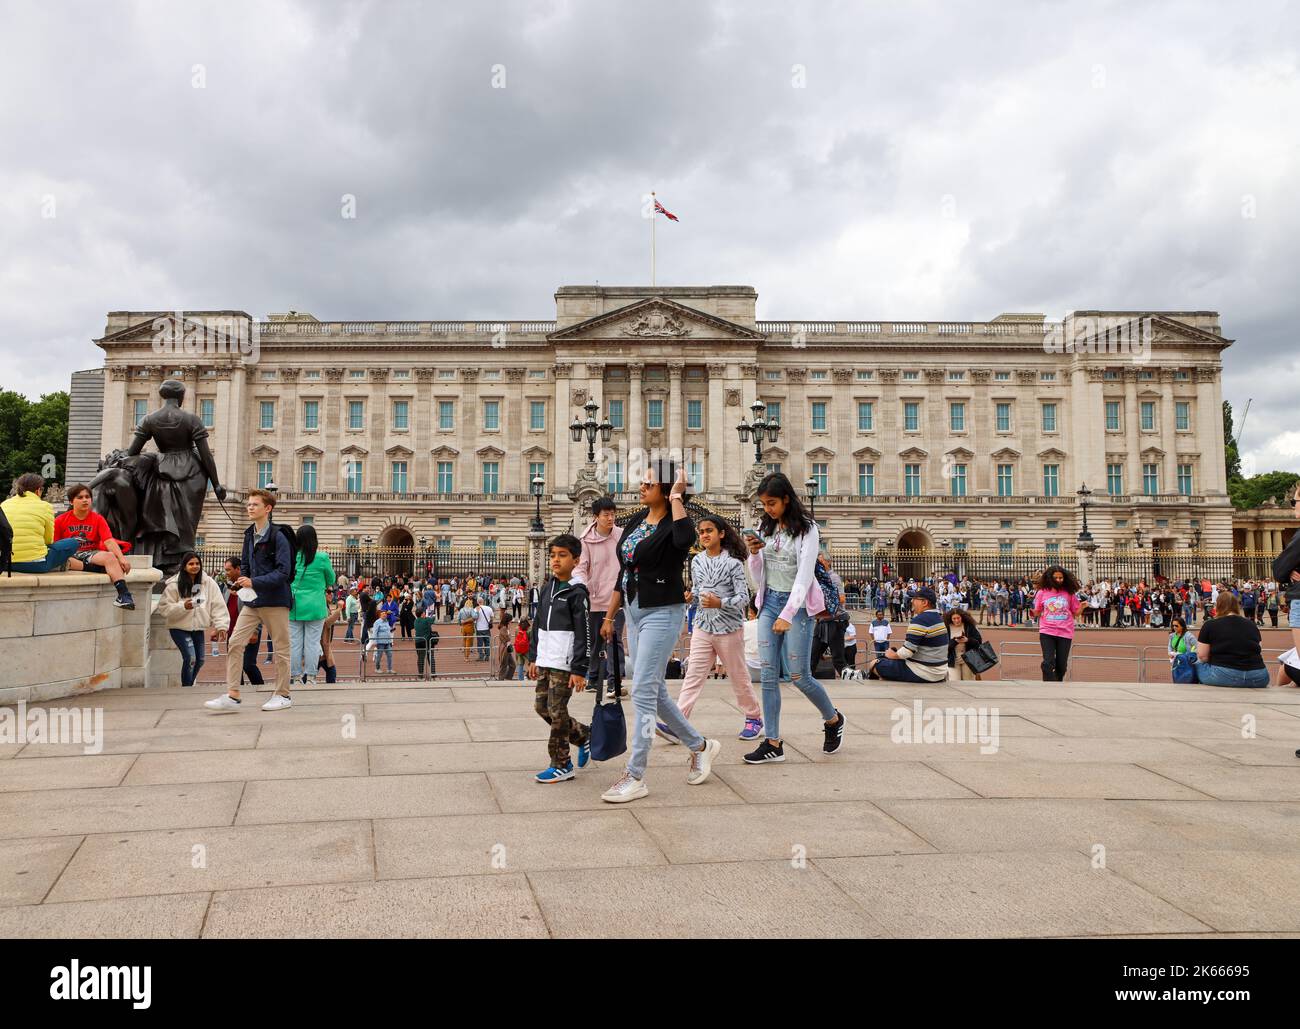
(981, 659)
(608, 726)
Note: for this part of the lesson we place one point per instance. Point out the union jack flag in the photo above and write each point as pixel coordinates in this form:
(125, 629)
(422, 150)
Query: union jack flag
(660, 209)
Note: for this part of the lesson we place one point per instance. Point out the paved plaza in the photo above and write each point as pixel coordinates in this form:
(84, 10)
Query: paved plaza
(409, 810)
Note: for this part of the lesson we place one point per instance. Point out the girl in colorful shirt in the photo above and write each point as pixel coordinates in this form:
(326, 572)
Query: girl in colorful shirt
(1056, 602)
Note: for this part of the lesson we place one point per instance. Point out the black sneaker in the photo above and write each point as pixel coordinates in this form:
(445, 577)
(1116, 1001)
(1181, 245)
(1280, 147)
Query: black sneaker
(765, 753)
(834, 735)
(124, 601)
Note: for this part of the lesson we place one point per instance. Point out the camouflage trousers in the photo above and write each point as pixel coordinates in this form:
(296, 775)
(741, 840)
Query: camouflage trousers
(551, 701)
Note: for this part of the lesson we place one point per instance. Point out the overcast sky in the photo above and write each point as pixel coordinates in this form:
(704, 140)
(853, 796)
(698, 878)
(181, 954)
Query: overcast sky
(886, 161)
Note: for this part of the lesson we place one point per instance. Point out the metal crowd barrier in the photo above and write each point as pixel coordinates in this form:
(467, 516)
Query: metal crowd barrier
(1270, 662)
(1078, 652)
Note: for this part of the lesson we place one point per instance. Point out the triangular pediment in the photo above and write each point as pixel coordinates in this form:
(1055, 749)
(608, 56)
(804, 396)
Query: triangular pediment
(1006, 454)
(166, 325)
(352, 450)
(961, 453)
(399, 451)
(1051, 454)
(913, 454)
(820, 453)
(657, 318)
(445, 451)
(1152, 453)
(490, 451)
(536, 451)
(868, 452)
(1164, 329)
(309, 451)
(775, 454)
(264, 452)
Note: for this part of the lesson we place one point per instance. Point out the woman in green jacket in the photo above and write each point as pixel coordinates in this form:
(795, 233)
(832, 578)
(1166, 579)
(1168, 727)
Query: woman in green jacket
(313, 574)
(1180, 640)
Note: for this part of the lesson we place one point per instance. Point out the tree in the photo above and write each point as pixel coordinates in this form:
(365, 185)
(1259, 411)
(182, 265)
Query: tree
(33, 436)
(1259, 489)
(1232, 458)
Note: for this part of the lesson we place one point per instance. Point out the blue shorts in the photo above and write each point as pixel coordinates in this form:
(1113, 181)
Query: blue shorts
(1293, 617)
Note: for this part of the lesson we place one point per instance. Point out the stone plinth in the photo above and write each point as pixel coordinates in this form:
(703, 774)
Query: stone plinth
(62, 636)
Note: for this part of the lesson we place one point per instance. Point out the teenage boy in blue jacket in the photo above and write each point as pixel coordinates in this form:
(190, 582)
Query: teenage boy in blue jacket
(268, 570)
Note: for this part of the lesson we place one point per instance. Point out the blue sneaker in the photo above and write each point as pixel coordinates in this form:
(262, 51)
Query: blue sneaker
(663, 732)
(752, 730)
(584, 754)
(554, 774)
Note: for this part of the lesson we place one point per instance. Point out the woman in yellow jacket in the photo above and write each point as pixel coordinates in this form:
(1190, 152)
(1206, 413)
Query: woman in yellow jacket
(32, 519)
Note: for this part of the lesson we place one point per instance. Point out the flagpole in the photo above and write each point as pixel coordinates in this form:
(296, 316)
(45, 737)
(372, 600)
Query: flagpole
(653, 219)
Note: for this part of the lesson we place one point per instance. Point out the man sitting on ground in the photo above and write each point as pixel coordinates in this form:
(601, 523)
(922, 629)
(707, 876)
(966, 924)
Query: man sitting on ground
(923, 657)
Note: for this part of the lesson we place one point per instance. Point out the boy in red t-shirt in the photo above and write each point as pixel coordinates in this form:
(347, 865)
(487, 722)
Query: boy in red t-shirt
(99, 551)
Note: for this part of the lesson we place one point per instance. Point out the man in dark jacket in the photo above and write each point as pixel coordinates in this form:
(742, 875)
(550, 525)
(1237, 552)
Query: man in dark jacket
(557, 658)
(268, 571)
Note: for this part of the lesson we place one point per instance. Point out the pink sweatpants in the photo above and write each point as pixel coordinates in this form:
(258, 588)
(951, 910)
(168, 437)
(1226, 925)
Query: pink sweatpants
(729, 648)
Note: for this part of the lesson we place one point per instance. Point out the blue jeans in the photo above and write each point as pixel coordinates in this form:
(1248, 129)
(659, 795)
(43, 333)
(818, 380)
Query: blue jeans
(651, 636)
(1220, 675)
(59, 551)
(1292, 618)
(791, 649)
(190, 644)
(484, 644)
(304, 647)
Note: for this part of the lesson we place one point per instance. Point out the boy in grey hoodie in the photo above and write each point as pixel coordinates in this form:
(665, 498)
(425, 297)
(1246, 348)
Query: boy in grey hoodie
(598, 570)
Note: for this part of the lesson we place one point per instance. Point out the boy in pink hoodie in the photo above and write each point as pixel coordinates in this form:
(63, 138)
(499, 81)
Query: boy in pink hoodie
(598, 570)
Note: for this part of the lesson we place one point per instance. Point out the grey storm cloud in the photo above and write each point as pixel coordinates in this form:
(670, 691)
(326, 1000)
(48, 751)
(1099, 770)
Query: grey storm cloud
(909, 161)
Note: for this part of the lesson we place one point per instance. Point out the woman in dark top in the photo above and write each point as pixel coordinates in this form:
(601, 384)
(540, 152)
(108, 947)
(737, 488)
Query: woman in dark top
(651, 554)
(1228, 649)
(962, 636)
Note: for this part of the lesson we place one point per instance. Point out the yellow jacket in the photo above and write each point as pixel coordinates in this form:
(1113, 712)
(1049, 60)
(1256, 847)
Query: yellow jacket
(33, 524)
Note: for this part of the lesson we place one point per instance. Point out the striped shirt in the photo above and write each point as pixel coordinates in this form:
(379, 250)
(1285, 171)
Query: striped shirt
(927, 640)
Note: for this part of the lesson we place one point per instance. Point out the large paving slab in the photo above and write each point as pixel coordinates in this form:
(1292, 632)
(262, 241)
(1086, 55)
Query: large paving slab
(467, 906)
(1008, 894)
(392, 809)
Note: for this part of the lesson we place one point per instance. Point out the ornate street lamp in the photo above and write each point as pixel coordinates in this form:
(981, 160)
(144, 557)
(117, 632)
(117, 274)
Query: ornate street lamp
(758, 428)
(538, 487)
(1083, 493)
(810, 484)
(590, 428)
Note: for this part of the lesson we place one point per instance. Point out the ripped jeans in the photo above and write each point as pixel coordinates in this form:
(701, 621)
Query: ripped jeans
(791, 649)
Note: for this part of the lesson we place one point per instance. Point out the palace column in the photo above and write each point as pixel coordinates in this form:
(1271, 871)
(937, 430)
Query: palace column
(1168, 433)
(329, 477)
(715, 469)
(422, 426)
(468, 479)
(635, 415)
(562, 478)
(675, 409)
(983, 432)
(1132, 437)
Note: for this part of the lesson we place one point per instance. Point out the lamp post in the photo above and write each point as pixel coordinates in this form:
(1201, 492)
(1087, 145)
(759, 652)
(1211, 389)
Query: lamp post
(370, 543)
(1083, 493)
(538, 487)
(759, 428)
(1196, 552)
(590, 428)
(424, 554)
(810, 484)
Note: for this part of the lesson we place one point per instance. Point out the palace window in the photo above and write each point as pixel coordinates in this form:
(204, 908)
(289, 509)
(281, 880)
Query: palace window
(820, 472)
(957, 483)
(1004, 418)
(352, 471)
(1112, 416)
(616, 413)
(866, 419)
(1148, 416)
(1051, 480)
(445, 477)
(309, 476)
(1006, 481)
(1182, 416)
(311, 414)
(207, 412)
(695, 414)
(491, 415)
(957, 417)
(535, 468)
(399, 477)
(1049, 417)
(911, 416)
(614, 476)
(537, 415)
(491, 477)
(655, 414)
(446, 415)
(1150, 479)
(866, 479)
(138, 410)
(912, 480)
(819, 416)
(401, 418)
(356, 414)
(1185, 479)
(268, 414)
(264, 475)
(1115, 480)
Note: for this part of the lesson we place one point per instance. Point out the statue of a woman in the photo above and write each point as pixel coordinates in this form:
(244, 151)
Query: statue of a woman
(172, 490)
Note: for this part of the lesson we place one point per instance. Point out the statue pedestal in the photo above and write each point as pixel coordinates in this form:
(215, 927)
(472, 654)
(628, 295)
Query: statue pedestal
(63, 637)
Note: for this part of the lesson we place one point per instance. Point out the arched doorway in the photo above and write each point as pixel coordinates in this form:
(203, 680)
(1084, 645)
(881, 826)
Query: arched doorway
(397, 551)
(913, 549)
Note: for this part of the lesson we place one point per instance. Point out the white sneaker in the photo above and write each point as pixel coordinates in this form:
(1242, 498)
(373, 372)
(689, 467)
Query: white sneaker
(627, 788)
(277, 703)
(702, 762)
(223, 705)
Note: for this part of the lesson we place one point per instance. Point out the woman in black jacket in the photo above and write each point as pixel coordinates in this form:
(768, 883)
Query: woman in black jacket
(1286, 570)
(963, 635)
(651, 554)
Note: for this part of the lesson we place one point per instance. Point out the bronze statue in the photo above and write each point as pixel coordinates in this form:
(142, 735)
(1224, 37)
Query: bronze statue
(154, 501)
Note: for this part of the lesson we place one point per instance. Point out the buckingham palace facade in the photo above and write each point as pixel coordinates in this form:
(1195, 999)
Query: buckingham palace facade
(918, 434)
